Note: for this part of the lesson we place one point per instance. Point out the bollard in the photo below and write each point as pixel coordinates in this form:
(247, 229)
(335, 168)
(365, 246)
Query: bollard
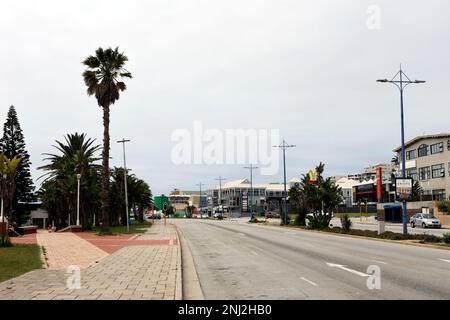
(381, 227)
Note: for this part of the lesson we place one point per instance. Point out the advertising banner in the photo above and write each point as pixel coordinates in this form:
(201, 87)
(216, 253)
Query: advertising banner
(403, 188)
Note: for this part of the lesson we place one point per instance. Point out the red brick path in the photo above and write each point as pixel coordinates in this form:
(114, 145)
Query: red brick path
(28, 239)
(111, 244)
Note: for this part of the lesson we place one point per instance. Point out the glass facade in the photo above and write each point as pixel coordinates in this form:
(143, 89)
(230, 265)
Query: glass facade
(437, 148)
(424, 173)
(423, 150)
(438, 171)
(412, 173)
(411, 154)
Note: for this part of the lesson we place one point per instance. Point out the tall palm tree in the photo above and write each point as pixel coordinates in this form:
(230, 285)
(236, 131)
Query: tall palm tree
(103, 77)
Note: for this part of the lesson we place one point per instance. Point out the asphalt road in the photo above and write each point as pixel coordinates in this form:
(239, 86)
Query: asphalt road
(236, 260)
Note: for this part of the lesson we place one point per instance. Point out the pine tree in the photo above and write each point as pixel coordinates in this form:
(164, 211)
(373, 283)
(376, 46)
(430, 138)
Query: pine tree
(13, 144)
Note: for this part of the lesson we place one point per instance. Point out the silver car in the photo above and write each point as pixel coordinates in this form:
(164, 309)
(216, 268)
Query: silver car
(425, 220)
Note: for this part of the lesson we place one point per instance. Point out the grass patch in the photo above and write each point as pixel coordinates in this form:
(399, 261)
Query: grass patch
(19, 259)
(388, 235)
(135, 228)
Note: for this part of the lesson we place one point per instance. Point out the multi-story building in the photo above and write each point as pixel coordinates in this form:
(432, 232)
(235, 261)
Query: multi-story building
(182, 199)
(236, 195)
(428, 161)
(386, 171)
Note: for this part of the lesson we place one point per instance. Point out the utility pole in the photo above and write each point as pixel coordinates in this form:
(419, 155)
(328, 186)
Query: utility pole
(123, 141)
(399, 81)
(220, 179)
(78, 198)
(251, 167)
(284, 146)
(200, 198)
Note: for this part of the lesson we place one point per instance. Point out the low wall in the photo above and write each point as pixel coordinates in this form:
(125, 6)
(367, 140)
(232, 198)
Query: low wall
(444, 218)
(411, 209)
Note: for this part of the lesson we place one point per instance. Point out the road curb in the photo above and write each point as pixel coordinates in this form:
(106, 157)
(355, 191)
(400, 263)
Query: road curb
(425, 245)
(191, 285)
(179, 280)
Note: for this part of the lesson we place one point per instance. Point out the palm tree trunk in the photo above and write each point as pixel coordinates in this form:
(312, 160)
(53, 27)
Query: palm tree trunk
(105, 173)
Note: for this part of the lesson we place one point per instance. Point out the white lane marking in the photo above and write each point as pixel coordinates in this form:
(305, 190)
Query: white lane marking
(254, 253)
(309, 281)
(445, 260)
(342, 267)
(241, 234)
(379, 261)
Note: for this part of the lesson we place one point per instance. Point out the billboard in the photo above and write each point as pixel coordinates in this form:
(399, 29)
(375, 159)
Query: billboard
(403, 188)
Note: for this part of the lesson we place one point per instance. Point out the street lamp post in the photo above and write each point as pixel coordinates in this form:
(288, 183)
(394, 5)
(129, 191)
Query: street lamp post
(78, 199)
(220, 179)
(200, 198)
(284, 146)
(2, 212)
(251, 167)
(399, 81)
(123, 141)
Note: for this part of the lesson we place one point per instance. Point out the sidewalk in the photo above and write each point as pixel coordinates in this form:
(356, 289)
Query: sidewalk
(137, 270)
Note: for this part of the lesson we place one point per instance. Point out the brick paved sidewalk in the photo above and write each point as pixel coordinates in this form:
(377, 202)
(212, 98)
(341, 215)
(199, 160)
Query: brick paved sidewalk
(132, 272)
(65, 249)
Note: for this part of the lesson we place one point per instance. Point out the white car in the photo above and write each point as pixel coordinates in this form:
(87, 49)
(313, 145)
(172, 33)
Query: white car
(425, 220)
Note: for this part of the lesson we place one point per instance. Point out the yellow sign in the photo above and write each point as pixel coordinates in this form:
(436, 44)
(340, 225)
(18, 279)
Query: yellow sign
(312, 175)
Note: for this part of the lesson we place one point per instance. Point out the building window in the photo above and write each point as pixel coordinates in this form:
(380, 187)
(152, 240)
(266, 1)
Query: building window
(411, 154)
(448, 145)
(423, 150)
(424, 173)
(437, 148)
(438, 195)
(412, 173)
(438, 171)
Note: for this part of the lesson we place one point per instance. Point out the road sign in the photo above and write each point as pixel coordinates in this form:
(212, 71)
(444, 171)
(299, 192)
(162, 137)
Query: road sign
(403, 188)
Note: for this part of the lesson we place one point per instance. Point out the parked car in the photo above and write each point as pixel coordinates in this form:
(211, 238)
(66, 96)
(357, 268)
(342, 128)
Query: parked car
(273, 214)
(218, 215)
(425, 220)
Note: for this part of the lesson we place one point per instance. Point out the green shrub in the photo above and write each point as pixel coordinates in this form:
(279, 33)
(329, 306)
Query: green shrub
(220, 217)
(446, 237)
(300, 220)
(5, 242)
(346, 223)
(320, 221)
(443, 206)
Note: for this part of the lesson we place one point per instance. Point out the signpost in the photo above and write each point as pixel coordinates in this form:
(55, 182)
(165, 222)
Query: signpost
(403, 188)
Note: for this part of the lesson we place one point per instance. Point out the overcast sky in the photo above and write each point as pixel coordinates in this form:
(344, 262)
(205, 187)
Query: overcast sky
(307, 68)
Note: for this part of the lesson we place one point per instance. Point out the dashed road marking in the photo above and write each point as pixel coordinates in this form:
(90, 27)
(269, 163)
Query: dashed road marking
(379, 261)
(254, 253)
(342, 267)
(445, 260)
(309, 281)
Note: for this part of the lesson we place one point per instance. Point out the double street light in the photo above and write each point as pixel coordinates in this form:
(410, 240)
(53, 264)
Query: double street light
(78, 198)
(200, 198)
(251, 168)
(127, 214)
(284, 146)
(401, 81)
